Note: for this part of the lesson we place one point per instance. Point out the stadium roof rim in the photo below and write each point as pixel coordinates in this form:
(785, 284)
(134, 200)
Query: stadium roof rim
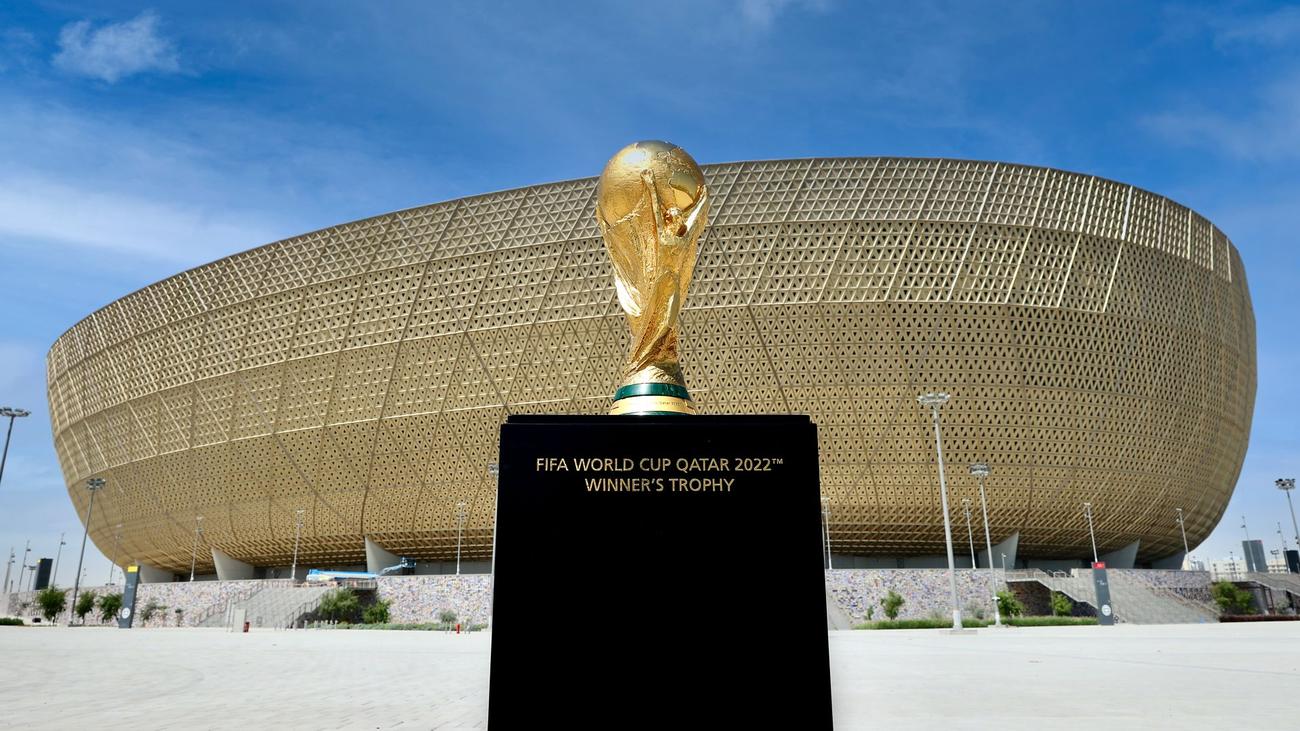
(707, 168)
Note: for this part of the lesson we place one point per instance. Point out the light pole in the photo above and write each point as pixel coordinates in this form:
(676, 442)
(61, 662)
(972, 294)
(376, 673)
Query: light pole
(31, 578)
(297, 536)
(94, 485)
(1281, 541)
(970, 532)
(1087, 512)
(494, 471)
(460, 530)
(22, 565)
(1286, 485)
(8, 567)
(12, 413)
(54, 578)
(194, 551)
(980, 470)
(112, 566)
(826, 531)
(1187, 552)
(934, 401)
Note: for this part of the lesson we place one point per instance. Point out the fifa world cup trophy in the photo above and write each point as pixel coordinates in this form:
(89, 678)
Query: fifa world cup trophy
(652, 205)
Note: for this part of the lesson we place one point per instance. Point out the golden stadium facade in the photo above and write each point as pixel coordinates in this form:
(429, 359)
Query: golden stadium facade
(1097, 340)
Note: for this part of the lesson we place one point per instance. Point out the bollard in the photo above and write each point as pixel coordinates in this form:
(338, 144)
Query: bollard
(246, 623)
(458, 628)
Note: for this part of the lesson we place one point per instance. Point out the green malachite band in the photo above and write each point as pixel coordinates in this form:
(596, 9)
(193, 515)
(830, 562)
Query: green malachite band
(652, 389)
(655, 413)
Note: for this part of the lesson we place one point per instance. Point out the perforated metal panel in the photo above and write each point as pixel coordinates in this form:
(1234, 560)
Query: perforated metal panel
(1098, 341)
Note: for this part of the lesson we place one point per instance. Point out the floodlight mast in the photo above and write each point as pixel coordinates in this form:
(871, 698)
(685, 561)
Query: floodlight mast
(1087, 513)
(94, 485)
(980, 470)
(12, 413)
(935, 401)
(1286, 485)
(1187, 552)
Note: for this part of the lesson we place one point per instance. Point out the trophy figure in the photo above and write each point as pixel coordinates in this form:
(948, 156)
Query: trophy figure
(651, 206)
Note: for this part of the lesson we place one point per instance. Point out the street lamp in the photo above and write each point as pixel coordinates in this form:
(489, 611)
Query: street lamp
(54, 578)
(12, 413)
(980, 470)
(934, 401)
(297, 536)
(460, 530)
(1187, 552)
(94, 485)
(194, 550)
(1286, 485)
(112, 566)
(826, 531)
(1087, 512)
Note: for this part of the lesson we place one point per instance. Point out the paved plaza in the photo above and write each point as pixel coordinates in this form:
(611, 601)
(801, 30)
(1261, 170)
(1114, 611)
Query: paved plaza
(1139, 677)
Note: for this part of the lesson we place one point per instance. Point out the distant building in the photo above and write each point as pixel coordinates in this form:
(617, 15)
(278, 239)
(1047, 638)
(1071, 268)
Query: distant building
(1255, 557)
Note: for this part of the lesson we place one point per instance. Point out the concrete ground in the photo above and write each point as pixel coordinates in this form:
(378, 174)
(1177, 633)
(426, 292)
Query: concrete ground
(1127, 677)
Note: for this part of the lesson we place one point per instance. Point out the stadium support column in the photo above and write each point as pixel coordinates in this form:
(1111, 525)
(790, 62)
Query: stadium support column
(1007, 546)
(378, 558)
(1124, 558)
(231, 569)
(154, 575)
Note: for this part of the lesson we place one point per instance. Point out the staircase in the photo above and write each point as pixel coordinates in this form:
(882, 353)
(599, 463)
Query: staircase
(1289, 583)
(277, 607)
(1134, 601)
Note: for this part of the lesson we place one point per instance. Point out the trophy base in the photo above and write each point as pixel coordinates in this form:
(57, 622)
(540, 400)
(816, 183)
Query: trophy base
(652, 399)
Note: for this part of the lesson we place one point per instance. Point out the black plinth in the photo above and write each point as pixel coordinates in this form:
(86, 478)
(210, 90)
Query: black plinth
(659, 572)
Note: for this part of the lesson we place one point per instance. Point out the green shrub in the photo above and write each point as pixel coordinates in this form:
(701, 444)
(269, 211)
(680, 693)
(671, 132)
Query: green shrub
(415, 626)
(1049, 621)
(11, 622)
(892, 603)
(928, 623)
(871, 612)
(447, 617)
(376, 613)
(85, 603)
(1009, 605)
(1232, 599)
(340, 605)
(151, 610)
(108, 606)
(1061, 605)
(52, 601)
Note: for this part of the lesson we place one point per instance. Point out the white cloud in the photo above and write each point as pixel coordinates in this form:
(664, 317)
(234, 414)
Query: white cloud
(763, 13)
(17, 47)
(1277, 28)
(1267, 131)
(72, 215)
(116, 50)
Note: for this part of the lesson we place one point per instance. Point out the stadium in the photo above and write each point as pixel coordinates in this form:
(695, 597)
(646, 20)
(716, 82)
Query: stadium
(341, 391)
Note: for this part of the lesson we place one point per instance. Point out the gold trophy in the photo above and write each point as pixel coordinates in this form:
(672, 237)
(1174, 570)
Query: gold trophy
(651, 206)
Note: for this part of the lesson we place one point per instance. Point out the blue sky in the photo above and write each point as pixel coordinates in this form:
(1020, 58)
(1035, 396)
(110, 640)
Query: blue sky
(137, 140)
